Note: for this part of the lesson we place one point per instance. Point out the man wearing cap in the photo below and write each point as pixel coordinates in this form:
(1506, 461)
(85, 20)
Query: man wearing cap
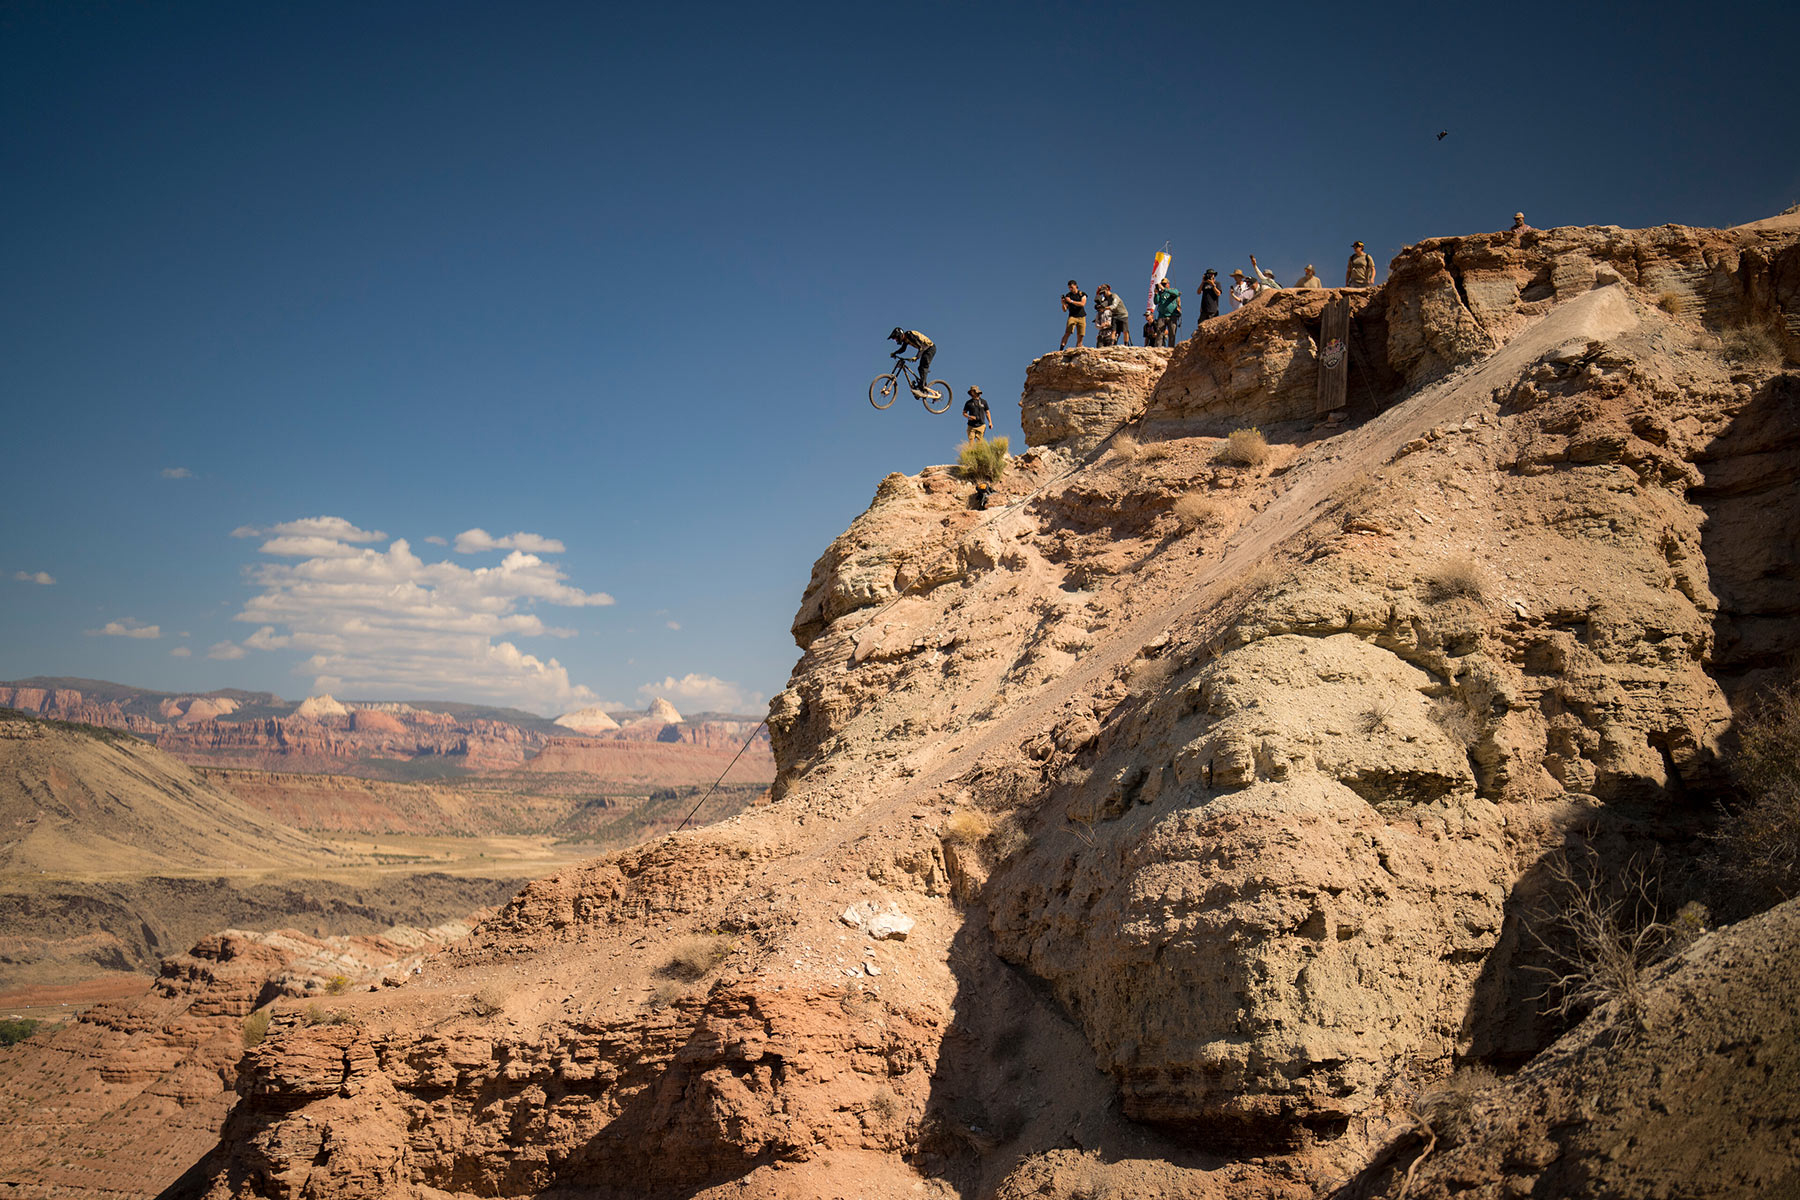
(1241, 291)
(1265, 282)
(1519, 225)
(1111, 318)
(1074, 303)
(1209, 295)
(1310, 280)
(1168, 313)
(975, 411)
(1361, 270)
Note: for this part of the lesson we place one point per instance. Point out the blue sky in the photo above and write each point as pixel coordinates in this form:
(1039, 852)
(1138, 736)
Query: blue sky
(290, 285)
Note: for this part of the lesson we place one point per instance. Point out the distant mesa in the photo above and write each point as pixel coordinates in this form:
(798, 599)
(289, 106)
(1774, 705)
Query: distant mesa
(592, 719)
(369, 721)
(185, 710)
(315, 707)
(662, 710)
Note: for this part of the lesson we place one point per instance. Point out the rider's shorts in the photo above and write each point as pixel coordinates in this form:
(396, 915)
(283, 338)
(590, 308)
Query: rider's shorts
(1075, 325)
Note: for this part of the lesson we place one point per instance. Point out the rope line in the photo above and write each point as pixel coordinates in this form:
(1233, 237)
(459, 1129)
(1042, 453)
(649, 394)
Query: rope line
(723, 774)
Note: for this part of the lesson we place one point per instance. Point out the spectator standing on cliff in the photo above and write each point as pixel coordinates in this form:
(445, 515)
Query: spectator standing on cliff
(1265, 282)
(1114, 316)
(1209, 297)
(975, 411)
(1360, 272)
(1519, 225)
(1241, 291)
(1310, 279)
(1168, 313)
(925, 346)
(1074, 303)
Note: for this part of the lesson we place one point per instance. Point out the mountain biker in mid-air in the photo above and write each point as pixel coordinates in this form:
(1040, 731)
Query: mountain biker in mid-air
(925, 346)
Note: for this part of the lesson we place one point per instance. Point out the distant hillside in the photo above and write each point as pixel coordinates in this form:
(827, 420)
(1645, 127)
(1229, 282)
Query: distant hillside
(78, 801)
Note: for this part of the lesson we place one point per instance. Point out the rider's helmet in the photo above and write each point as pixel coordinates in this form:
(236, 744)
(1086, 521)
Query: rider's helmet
(896, 335)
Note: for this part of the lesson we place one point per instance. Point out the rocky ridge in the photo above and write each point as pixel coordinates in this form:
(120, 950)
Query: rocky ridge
(1212, 792)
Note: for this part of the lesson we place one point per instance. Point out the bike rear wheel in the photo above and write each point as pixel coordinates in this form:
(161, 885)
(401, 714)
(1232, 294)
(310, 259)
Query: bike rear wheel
(882, 390)
(943, 400)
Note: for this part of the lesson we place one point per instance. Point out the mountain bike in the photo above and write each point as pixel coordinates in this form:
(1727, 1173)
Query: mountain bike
(883, 388)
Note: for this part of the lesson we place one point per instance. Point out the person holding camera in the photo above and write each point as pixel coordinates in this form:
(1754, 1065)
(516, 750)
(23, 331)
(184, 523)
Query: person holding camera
(1074, 303)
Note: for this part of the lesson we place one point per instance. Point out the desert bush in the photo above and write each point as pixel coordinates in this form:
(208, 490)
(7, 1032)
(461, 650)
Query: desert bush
(1244, 447)
(983, 460)
(666, 995)
(14, 1030)
(1009, 837)
(884, 1106)
(488, 1001)
(256, 1027)
(694, 956)
(1454, 577)
(1126, 446)
(1379, 716)
(1156, 451)
(1671, 303)
(1750, 346)
(966, 827)
(1197, 511)
(1600, 935)
(337, 985)
(1448, 1107)
(1755, 850)
(318, 1015)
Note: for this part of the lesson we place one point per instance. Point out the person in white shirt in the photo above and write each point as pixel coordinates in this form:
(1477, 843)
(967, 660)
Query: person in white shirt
(1242, 292)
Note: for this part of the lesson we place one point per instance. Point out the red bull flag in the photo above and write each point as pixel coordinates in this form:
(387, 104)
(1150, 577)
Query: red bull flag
(1159, 271)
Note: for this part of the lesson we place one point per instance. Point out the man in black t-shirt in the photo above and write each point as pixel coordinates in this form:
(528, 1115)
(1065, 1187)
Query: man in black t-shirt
(977, 414)
(1209, 295)
(1074, 303)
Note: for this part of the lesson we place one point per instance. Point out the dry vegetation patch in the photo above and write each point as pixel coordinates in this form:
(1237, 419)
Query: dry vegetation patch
(1199, 511)
(984, 460)
(1458, 577)
(1671, 303)
(1244, 448)
(693, 957)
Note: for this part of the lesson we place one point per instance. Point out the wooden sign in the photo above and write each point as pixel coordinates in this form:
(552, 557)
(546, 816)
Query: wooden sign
(1334, 356)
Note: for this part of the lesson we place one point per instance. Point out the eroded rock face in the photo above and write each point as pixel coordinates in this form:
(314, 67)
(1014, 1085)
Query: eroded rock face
(1076, 399)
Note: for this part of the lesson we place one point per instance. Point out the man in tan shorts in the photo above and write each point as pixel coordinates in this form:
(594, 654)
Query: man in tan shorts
(1074, 303)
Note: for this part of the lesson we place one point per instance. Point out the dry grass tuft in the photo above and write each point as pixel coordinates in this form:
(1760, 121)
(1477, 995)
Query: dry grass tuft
(488, 1001)
(1671, 303)
(1009, 837)
(1198, 511)
(337, 985)
(885, 1107)
(1245, 448)
(1750, 346)
(1126, 446)
(966, 826)
(256, 1028)
(1157, 451)
(666, 995)
(983, 460)
(694, 956)
(1457, 577)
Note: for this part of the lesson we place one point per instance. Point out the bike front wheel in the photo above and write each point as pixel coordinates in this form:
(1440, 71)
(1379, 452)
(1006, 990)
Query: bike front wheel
(943, 400)
(882, 390)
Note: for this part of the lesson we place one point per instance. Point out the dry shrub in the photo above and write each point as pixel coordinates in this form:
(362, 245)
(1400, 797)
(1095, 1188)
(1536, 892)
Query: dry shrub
(317, 1015)
(337, 985)
(488, 1001)
(1600, 933)
(1157, 451)
(1245, 448)
(256, 1028)
(1009, 837)
(1448, 1108)
(1750, 346)
(1671, 303)
(983, 460)
(1126, 446)
(666, 995)
(1379, 716)
(884, 1106)
(694, 956)
(1756, 848)
(1456, 577)
(966, 827)
(1197, 511)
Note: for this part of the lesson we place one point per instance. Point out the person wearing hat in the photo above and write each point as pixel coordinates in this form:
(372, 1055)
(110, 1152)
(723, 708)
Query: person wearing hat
(1111, 318)
(1209, 295)
(1241, 291)
(1361, 270)
(1168, 313)
(1519, 225)
(1265, 282)
(1310, 279)
(975, 410)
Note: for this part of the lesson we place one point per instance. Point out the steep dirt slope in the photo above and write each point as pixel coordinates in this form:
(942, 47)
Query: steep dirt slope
(1165, 828)
(88, 801)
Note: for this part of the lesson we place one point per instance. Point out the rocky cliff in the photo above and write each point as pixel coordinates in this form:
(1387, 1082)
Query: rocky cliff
(1168, 826)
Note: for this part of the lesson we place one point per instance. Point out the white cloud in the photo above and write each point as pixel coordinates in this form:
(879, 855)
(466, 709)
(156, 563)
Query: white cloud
(335, 528)
(385, 622)
(435, 540)
(128, 628)
(180, 652)
(675, 625)
(177, 473)
(42, 578)
(475, 541)
(227, 651)
(705, 693)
